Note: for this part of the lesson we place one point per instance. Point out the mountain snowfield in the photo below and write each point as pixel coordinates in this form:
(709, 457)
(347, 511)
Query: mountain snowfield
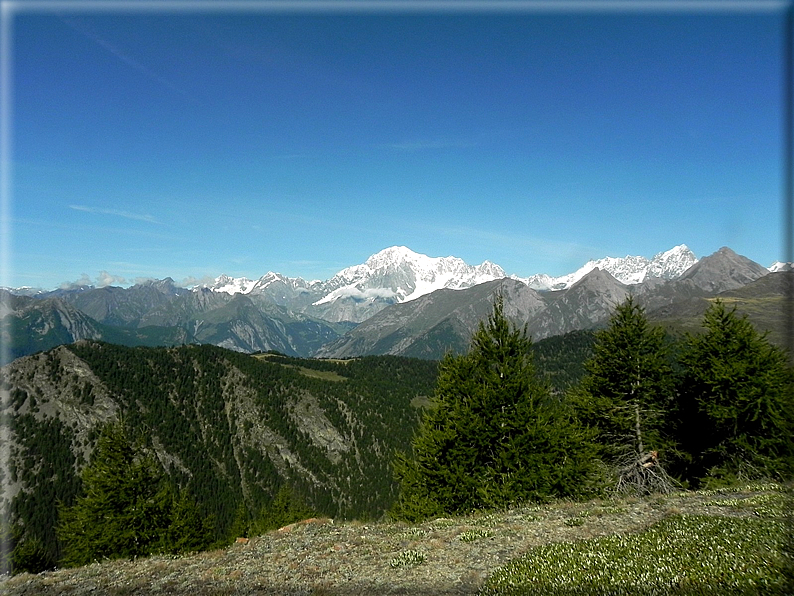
(398, 274)
(404, 275)
(243, 285)
(628, 270)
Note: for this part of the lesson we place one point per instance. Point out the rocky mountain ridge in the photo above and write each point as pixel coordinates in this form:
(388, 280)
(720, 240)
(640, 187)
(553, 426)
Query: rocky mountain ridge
(443, 321)
(352, 313)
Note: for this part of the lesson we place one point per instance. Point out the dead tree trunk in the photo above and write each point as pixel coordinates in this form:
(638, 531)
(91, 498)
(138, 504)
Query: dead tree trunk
(640, 472)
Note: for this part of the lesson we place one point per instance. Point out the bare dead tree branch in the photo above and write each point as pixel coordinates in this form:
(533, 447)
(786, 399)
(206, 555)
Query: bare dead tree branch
(643, 474)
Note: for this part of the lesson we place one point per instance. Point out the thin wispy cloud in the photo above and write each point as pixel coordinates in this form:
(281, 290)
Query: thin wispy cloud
(71, 285)
(116, 212)
(84, 29)
(108, 279)
(196, 281)
(102, 280)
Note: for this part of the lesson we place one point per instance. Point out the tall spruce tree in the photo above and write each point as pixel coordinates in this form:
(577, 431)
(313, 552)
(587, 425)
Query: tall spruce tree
(125, 506)
(493, 435)
(627, 397)
(735, 401)
(128, 508)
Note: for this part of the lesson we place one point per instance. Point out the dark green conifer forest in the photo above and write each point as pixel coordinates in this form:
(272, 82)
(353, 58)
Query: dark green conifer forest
(250, 440)
(123, 452)
(127, 507)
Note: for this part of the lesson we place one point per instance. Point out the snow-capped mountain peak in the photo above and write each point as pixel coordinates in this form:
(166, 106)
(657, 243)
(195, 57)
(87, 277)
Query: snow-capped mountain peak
(400, 274)
(628, 270)
(229, 285)
(778, 266)
(396, 255)
(672, 263)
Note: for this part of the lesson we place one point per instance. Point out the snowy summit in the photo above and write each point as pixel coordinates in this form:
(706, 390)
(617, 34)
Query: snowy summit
(629, 270)
(398, 274)
(403, 275)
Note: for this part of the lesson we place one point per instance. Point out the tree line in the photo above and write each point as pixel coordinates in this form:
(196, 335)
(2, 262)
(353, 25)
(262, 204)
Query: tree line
(652, 413)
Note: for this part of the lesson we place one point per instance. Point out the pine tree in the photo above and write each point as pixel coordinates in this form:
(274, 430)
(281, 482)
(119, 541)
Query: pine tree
(125, 506)
(493, 435)
(241, 523)
(627, 397)
(735, 401)
(285, 508)
(188, 531)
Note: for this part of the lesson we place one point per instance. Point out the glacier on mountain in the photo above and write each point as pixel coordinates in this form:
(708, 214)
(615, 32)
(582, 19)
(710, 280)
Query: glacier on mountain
(230, 285)
(778, 266)
(398, 274)
(629, 270)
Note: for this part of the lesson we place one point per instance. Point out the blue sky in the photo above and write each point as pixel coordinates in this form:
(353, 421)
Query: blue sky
(182, 143)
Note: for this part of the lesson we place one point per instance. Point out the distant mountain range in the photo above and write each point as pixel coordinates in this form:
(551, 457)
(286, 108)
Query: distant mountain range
(397, 302)
(445, 320)
(393, 275)
(628, 270)
(398, 274)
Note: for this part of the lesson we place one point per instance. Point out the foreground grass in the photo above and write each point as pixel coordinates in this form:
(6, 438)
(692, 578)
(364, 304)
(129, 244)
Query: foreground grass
(726, 541)
(680, 555)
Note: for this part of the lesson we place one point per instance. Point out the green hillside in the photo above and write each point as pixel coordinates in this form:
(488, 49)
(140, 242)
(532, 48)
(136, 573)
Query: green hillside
(230, 428)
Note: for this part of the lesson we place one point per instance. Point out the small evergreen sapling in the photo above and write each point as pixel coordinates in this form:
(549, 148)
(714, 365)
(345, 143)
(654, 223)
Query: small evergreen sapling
(188, 530)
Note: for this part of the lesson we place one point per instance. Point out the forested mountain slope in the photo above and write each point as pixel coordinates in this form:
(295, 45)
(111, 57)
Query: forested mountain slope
(231, 428)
